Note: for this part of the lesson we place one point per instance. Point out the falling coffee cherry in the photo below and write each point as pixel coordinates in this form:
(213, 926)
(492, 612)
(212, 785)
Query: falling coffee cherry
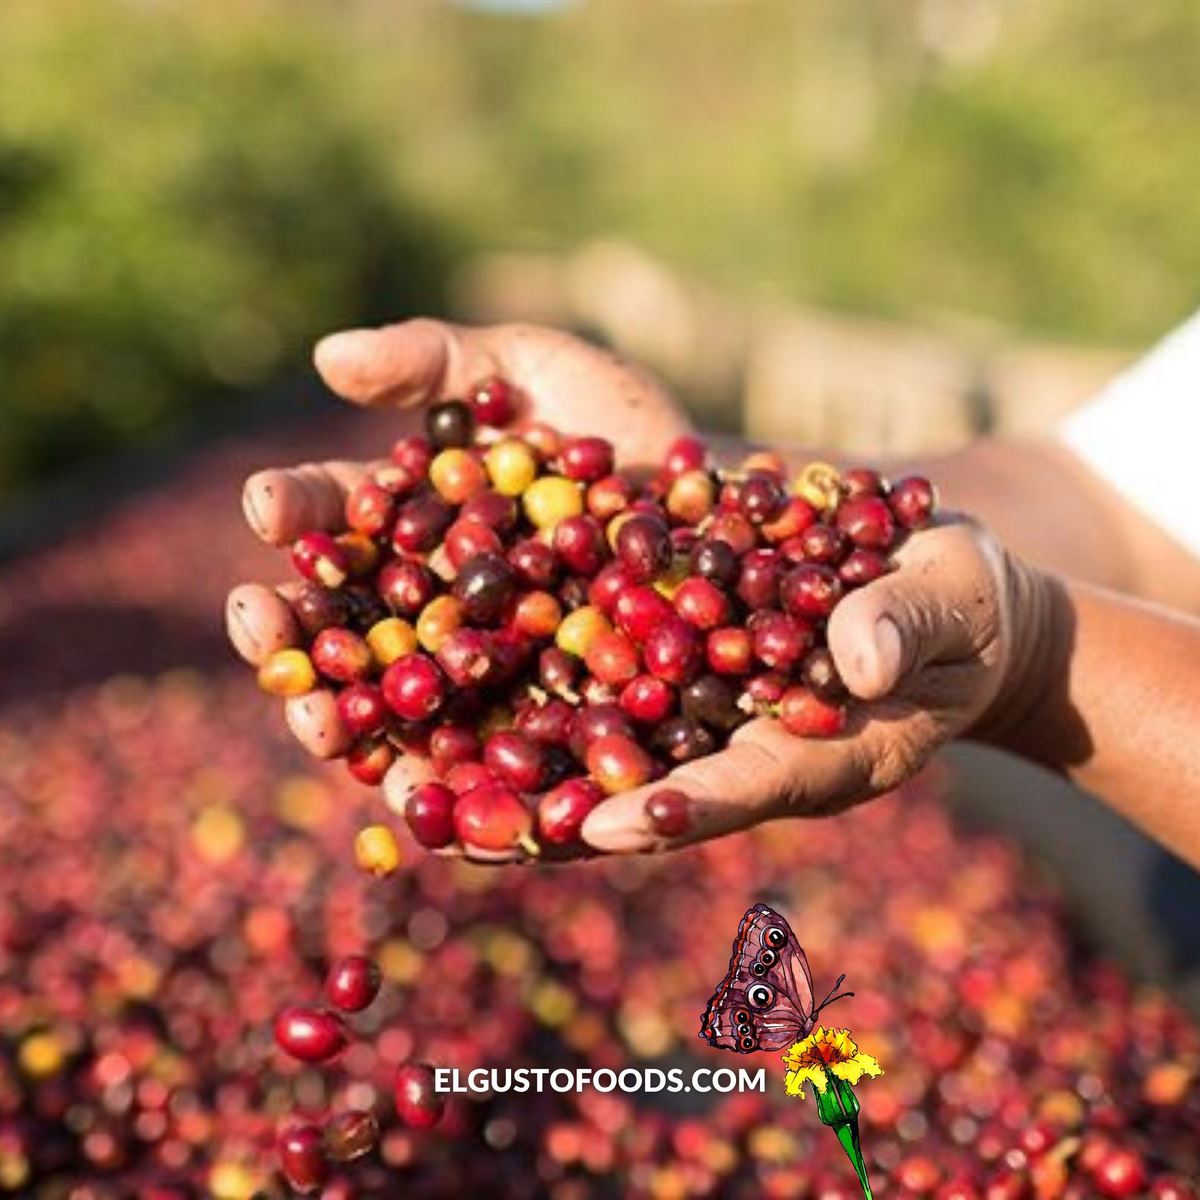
(350, 1134)
(418, 1103)
(352, 983)
(310, 1034)
(302, 1158)
(669, 813)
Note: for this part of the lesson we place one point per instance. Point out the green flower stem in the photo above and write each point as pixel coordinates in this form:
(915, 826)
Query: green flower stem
(838, 1106)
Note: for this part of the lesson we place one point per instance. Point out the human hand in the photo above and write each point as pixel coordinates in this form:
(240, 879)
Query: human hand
(949, 644)
(563, 380)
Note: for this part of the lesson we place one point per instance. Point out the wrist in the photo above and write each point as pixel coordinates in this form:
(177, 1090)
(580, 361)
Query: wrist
(1026, 716)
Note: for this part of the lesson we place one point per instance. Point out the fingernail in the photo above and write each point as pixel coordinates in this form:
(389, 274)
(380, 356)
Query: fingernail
(346, 346)
(253, 513)
(247, 633)
(889, 649)
(613, 833)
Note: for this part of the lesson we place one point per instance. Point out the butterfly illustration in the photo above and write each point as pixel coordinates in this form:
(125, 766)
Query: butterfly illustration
(766, 1000)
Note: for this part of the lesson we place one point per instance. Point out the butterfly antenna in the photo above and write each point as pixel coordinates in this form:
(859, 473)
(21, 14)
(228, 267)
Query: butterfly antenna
(831, 997)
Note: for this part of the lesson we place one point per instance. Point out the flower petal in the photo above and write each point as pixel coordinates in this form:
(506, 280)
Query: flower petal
(796, 1080)
(853, 1070)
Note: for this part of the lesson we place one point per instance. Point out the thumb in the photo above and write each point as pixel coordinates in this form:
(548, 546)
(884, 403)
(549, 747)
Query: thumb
(890, 629)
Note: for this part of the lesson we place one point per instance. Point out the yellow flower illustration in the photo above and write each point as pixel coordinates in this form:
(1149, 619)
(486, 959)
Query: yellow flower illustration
(826, 1050)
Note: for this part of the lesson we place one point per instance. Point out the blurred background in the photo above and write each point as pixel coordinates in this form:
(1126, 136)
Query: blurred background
(879, 226)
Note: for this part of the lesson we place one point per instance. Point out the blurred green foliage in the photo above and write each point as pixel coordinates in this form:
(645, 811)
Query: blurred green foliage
(190, 190)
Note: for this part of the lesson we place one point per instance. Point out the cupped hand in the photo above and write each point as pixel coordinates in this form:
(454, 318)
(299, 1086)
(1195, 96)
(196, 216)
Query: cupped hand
(944, 646)
(562, 380)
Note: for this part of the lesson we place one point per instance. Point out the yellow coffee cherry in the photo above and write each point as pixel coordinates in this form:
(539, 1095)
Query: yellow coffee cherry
(552, 499)
(818, 483)
(376, 850)
(580, 629)
(391, 639)
(512, 465)
(438, 620)
(287, 673)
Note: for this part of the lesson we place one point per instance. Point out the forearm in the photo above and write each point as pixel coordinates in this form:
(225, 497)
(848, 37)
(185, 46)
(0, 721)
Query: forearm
(1113, 701)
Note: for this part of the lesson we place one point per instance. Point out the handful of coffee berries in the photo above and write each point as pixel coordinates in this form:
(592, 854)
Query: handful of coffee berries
(547, 630)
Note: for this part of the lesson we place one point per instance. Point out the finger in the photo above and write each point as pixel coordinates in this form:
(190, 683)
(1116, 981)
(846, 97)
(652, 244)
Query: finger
(939, 607)
(313, 719)
(405, 774)
(259, 621)
(281, 504)
(406, 364)
(727, 791)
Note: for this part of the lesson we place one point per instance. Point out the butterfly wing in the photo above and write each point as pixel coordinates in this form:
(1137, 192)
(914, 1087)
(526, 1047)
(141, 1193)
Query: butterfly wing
(765, 1001)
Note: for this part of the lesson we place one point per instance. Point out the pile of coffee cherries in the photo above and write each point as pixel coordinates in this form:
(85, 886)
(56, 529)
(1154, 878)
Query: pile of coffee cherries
(547, 631)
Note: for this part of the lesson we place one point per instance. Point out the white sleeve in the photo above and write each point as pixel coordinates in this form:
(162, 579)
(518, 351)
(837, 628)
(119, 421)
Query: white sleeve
(1142, 434)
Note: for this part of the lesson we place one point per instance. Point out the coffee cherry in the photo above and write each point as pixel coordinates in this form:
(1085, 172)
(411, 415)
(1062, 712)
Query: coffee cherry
(413, 454)
(730, 651)
(352, 983)
(691, 497)
(861, 481)
(687, 453)
(316, 607)
(466, 539)
(1120, 1173)
(466, 657)
(485, 587)
(490, 508)
(391, 639)
(376, 851)
(287, 673)
(512, 466)
(515, 759)
(733, 529)
(362, 709)
(451, 423)
(545, 439)
(822, 543)
(648, 700)
(493, 817)
(494, 402)
(580, 544)
(608, 496)
(613, 659)
(441, 617)
(414, 688)
(760, 498)
(341, 655)
(350, 1134)
(867, 522)
(562, 811)
(580, 629)
(713, 701)
(913, 501)
(548, 722)
(681, 740)
(598, 720)
(810, 591)
(370, 509)
(861, 567)
(370, 760)
(780, 640)
(702, 604)
(406, 586)
(534, 564)
(807, 715)
(669, 812)
(643, 545)
(457, 475)
(421, 524)
(758, 582)
(450, 744)
(618, 764)
(586, 459)
(549, 500)
(418, 1103)
(674, 651)
(640, 610)
(429, 811)
(302, 1160)
(310, 1034)
(790, 521)
(820, 675)
(716, 562)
